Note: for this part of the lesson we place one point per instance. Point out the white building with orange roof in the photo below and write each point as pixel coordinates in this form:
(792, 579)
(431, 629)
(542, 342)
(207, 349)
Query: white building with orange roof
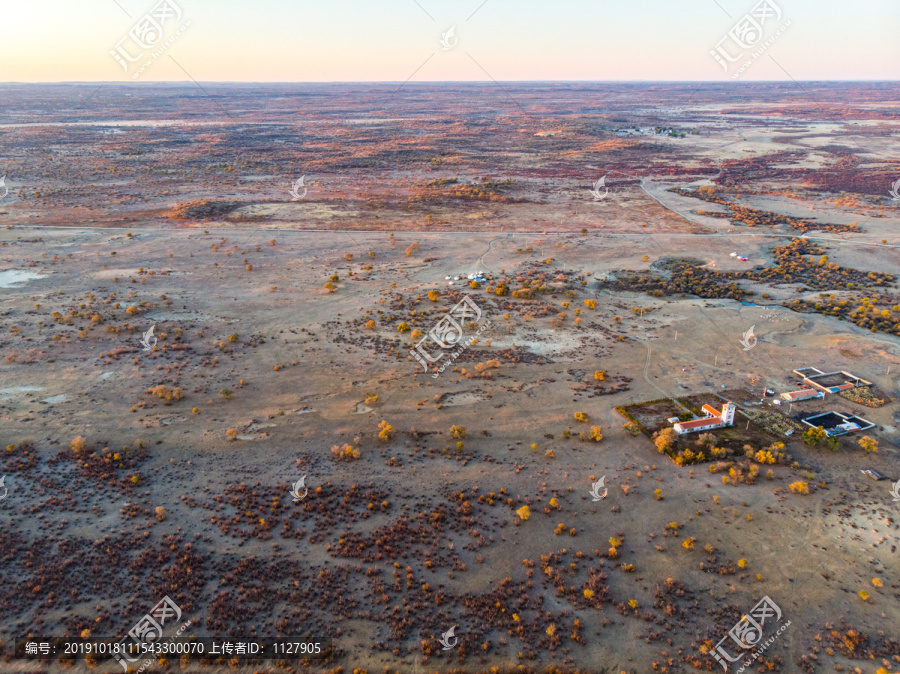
(802, 394)
(714, 419)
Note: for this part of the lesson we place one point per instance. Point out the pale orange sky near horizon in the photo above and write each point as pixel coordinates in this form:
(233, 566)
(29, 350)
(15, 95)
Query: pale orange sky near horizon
(348, 40)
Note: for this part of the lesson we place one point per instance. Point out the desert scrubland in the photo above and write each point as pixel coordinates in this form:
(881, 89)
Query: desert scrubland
(187, 330)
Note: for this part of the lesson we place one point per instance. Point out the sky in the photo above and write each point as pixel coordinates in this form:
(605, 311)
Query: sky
(400, 40)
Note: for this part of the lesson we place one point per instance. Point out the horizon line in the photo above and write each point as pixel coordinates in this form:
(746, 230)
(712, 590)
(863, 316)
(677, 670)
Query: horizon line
(442, 82)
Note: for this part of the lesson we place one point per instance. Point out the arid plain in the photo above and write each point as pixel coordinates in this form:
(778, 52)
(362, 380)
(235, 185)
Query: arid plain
(284, 316)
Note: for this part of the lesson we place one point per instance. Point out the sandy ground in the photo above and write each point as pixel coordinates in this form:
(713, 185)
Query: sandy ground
(139, 464)
(296, 354)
